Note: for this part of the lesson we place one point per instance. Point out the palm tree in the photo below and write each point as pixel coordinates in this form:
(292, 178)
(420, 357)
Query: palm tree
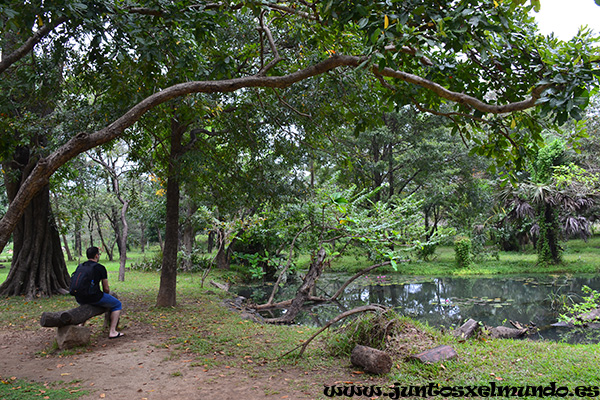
(554, 211)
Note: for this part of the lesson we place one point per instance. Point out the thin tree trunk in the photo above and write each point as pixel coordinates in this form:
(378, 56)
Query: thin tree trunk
(107, 249)
(143, 237)
(123, 240)
(91, 228)
(211, 241)
(304, 291)
(223, 257)
(188, 236)
(167, 292)
(78, 245)
(160, 239)
(391, 170)
(64, 237)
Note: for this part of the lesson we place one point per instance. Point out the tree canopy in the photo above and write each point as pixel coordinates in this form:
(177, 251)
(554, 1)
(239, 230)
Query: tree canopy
(79, 74)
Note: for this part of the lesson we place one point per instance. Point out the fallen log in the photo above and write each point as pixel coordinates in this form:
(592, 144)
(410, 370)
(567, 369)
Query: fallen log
(502, 332)
(467, 330)
(371, 360)
(222, 286)
(591, 316)
(73, 316)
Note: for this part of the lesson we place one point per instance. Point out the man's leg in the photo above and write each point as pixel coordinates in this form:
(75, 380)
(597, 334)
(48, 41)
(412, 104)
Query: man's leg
(114, 321)
(115, 306)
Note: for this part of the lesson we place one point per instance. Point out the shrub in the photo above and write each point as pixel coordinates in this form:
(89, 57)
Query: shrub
(425, 251)
(589, 303)
(462, 251)
(154, 263)
(151, 264)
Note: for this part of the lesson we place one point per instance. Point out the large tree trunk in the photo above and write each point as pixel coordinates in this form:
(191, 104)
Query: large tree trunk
(167, 292)
(38, 266)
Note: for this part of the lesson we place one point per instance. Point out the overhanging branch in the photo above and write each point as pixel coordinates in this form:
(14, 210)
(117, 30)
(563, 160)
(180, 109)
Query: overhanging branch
(29, 44)
(85, 141)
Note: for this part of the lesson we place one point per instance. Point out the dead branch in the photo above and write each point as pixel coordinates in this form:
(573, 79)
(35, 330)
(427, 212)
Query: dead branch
(289, 263)
(285, 103)
(303, 293)
(349, 281)
(361, 309)
(287, 303)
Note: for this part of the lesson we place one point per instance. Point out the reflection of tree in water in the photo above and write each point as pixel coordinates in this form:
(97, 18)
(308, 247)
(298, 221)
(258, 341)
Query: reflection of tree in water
(446, 301)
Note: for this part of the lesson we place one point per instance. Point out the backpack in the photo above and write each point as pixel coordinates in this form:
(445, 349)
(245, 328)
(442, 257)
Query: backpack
(82, 280)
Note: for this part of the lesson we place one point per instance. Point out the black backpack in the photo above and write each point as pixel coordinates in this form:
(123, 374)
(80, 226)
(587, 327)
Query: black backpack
(82, 280)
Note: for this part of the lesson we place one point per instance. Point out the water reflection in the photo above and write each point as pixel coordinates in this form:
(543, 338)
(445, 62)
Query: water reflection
(447, 301)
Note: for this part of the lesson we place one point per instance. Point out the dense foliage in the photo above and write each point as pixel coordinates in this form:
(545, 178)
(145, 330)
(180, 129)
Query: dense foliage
(247, 107)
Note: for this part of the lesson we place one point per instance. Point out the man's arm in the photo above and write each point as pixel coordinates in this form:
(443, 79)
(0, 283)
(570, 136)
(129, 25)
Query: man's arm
(105, 287)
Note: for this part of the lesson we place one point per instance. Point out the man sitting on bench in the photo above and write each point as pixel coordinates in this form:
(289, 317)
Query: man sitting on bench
(96, 297)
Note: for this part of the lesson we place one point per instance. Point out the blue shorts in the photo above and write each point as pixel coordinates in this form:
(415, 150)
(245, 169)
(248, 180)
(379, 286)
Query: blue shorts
(108, 301)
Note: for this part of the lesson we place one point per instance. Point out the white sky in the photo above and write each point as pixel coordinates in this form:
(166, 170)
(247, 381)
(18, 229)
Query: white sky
(564, 17)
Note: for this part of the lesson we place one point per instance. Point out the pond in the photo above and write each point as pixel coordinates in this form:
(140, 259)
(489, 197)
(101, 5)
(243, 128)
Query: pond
(448, 301)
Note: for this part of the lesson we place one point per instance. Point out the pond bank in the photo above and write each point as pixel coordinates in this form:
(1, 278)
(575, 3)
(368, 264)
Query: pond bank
(447, 302)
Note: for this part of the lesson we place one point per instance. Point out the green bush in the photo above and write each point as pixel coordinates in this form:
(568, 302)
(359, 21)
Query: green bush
(151, 264)
(589, 303)
(154, 263)
(462, 251)
(426, 251)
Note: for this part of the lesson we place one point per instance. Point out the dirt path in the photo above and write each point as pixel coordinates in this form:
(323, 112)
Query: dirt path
(139, 366)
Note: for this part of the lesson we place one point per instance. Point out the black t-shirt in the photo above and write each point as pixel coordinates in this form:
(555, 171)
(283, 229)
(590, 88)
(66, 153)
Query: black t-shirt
(99, 272)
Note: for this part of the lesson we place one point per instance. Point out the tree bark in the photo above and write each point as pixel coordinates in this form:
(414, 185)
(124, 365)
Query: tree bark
(372, 360)
(160, 239)
(38, 266)
(304, 291)
(64, 237)
(210, 245)
(73, 316)
(107, 249)
(467, 330)
(223, 257)
(90, 227)
(78, 244)
(167, 292)
(123, 239)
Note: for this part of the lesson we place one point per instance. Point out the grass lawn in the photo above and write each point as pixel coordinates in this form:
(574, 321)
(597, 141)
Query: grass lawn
(200, 326)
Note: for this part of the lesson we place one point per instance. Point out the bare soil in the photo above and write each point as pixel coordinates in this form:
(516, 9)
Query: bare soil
(140, 366)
